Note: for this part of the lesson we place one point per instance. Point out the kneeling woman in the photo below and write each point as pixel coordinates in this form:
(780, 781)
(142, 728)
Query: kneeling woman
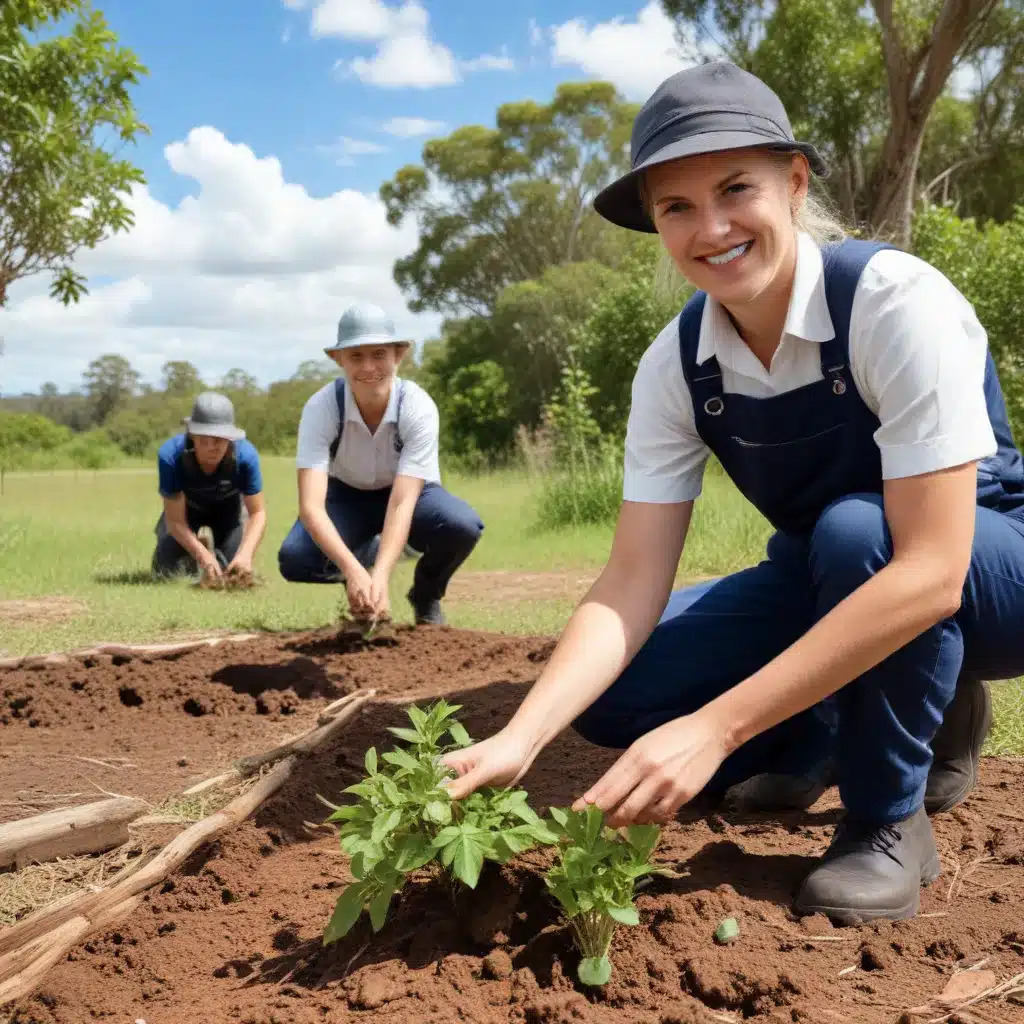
(847, 390)
(368, 468)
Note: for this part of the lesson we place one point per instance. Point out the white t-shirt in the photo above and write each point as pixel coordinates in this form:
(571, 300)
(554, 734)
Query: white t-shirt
(370, 461)
(917, 356)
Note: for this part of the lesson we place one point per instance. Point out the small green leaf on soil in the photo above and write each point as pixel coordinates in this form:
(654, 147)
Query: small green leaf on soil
(728, 931)
(595, 970)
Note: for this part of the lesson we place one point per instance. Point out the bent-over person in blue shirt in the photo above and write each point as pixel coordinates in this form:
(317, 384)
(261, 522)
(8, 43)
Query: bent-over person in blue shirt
(214, 515)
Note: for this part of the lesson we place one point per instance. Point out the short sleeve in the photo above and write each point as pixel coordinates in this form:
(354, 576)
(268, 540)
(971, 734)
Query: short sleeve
(318, 427)
(250, 476)
(419, 429)
(918, 354)
(170, 483)
(665, 456)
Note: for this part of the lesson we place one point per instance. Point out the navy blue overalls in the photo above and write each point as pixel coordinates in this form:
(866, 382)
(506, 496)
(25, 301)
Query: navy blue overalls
(444, 528)
(808, 460)
(211, 499)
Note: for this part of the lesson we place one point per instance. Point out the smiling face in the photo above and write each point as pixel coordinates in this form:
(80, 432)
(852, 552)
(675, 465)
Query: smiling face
(370, 369)
(726, 219)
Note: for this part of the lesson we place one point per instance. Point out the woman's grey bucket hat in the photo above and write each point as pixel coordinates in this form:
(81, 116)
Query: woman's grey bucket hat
(703, 109)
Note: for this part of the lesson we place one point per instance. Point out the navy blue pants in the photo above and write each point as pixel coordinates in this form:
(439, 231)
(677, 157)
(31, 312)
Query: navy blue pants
(444, 528)
(878, 727)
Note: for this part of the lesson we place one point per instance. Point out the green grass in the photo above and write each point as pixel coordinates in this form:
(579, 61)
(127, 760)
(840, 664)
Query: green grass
(88, 536)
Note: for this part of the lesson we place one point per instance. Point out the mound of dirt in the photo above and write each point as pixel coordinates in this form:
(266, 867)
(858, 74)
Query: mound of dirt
(235, 935)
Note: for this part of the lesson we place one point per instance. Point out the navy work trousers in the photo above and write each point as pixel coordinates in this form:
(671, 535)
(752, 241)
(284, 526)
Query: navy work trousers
(444, 528)
(878, 727)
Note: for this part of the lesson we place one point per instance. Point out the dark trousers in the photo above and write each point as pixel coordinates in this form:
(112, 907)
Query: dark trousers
(444, 528)
(170, 558)
(879, 727)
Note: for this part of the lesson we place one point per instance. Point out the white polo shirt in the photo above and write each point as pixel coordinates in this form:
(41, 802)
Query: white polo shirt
(917, 356)
(370, 461)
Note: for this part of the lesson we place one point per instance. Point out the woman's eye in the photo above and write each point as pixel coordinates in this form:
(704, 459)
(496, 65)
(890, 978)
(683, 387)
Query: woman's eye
(737, 187)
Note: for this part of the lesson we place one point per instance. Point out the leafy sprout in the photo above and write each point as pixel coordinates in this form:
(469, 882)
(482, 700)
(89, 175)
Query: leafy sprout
(593, 878)
(404, 819)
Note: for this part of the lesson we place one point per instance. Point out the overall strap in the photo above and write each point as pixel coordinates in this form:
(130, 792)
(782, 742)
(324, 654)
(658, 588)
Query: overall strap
(704, 381)
(843, 263)
(339, 397)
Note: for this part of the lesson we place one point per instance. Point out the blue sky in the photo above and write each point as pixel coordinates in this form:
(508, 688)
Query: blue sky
(273, 124)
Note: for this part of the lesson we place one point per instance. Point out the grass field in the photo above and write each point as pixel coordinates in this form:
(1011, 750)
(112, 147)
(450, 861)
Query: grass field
(87, 538)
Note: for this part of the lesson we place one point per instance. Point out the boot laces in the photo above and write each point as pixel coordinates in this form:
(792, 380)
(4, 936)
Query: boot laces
(862, 836)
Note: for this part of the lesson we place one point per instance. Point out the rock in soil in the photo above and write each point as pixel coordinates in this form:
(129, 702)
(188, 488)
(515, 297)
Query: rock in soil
(248, 912)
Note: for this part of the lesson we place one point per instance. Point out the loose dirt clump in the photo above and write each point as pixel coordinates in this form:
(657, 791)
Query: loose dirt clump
(234, 936)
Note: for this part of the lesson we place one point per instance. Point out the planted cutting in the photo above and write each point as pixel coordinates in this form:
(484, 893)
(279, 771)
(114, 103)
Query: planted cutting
(593, 879)
(404, 819)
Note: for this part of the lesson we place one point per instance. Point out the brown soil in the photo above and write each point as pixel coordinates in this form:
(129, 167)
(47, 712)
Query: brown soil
(234, 936)
(25, 611)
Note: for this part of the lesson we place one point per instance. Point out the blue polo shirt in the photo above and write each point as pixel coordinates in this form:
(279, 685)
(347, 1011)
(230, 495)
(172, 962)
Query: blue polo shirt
(246, 477)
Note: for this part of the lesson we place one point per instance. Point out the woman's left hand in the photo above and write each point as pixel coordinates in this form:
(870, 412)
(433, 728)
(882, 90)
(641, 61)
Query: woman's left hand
(660, 772)
(380, 603)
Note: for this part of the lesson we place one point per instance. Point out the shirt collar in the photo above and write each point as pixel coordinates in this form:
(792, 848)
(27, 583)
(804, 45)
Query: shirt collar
(353, 414)
(807, 318)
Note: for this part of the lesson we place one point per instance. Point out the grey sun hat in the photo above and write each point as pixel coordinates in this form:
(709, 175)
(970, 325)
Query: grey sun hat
(213, 415)
(704, 109)
(364, 325)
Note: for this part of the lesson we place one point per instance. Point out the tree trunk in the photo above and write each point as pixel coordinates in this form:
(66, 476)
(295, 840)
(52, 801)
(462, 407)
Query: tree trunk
(893, 208)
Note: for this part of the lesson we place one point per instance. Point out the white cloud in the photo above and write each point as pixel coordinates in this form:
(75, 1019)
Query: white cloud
(635, 55)
(345, 150)
(489, 62)
(250, 271)
(352, 19)
(412, 127)
(406, 55)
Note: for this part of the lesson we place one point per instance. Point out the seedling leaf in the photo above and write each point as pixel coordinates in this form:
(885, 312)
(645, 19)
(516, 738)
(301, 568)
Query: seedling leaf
(415, 852)
(595, 970)
(379, 907)
(384, 823)
(409, 735)
(459, 735)
(403, 759)
(438, 811)
(371, 761)
(624, 915)
(468, 861)
(728, 931)
(346, 912)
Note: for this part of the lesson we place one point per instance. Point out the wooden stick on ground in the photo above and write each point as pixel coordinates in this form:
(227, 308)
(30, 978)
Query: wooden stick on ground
(91, 828)
(57, 933)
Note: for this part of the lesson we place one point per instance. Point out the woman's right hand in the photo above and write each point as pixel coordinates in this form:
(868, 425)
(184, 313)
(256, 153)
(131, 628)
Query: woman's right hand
(359, 586)
(501, 760)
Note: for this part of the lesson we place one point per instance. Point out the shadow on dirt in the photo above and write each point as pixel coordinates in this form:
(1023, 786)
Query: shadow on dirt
(304, 676)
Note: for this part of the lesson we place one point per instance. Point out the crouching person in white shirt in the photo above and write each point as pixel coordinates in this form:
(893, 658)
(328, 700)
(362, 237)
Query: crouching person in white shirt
(368, 466)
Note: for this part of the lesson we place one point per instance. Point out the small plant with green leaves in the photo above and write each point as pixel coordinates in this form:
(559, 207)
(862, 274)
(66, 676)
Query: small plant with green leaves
(404, 819)
(593, 878)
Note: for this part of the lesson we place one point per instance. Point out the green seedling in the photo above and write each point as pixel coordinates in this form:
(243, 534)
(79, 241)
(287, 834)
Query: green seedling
(728, 931)
(404, 819)
(593, 878)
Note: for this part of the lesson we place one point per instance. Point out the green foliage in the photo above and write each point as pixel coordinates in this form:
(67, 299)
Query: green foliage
(987, 265)
(585, 484)
(500, 205)
(92, 450)
(30, 431)
(593, 878)
(404, 819)
(67, 113)
(109, 382)
(477, 416)
(181, 379)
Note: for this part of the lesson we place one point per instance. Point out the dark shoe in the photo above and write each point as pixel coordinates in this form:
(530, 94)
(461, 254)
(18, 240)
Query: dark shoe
(872, 871)
(957, 746)
(776, 792)
(428, 613)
